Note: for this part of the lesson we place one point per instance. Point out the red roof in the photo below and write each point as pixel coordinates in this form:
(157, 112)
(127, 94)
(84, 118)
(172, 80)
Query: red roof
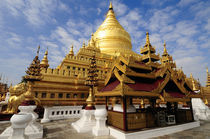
(176, 94)
(110, 86)
(140, 86)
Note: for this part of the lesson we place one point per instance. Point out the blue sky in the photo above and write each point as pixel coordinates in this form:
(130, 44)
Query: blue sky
(25, 24)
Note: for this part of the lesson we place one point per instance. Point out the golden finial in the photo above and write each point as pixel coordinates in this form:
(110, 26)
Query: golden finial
(71, 51)
(92, 42)
(46, 52)
(44, 62)
(207, 70)
(191, 76)
(110, 6)
(83, 45)
(37, 53)
(165, 50)
(147, 38)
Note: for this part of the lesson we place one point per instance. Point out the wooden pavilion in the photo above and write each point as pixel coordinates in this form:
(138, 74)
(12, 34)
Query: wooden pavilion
(131, 79)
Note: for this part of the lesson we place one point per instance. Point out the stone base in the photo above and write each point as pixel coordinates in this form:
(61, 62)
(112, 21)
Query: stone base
(31, 132)
(45, 120)
(100, 132)
(152, 132)
(86, 122)
(34, 129)
(200, 110)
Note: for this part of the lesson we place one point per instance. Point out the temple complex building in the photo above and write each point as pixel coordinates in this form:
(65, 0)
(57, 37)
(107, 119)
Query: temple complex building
(145, 77)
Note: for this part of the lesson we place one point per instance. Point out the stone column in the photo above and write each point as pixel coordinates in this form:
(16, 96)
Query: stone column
(100, 129)
(46, 115)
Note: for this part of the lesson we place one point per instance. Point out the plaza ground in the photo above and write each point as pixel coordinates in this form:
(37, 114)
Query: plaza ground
(62, 129)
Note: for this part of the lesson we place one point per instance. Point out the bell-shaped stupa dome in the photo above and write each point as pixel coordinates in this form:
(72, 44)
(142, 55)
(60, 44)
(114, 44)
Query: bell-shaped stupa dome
(111, 37)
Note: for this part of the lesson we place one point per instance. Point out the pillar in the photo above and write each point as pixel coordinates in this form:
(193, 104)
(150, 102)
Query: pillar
(125, 113)
(46, 115)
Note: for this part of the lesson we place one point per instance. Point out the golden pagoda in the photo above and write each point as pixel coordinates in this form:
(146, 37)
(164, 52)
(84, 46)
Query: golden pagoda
(112, 50)
(112, 38)
(205, 91)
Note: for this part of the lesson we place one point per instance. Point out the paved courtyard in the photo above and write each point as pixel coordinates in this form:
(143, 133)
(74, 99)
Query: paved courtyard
(62, 129)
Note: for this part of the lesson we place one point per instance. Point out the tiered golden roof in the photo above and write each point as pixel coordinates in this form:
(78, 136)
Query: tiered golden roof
(149, 56)
(166, 58)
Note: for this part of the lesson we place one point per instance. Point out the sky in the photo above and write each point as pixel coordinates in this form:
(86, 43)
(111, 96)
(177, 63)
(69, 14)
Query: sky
(57, 24)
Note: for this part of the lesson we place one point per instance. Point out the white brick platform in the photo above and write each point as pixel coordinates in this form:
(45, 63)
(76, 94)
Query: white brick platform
(152, 132)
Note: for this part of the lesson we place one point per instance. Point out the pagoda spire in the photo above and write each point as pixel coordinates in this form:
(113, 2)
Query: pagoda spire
(110, 6)
(92, 41)
(34, 68)
(165, 50)
(37, 53)
(33, 73)
(149, 56)
(71, 52)
(44, 62)
(147, 38)
(166, 58)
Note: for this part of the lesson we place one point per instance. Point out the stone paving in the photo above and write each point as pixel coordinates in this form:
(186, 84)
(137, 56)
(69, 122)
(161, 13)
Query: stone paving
(62, 129)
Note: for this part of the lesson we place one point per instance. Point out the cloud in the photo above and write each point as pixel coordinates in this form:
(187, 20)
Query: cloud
(13, 6)
(154, 2)
(207, 26)
(119, 8)
(14, 40)
(162, 18)
(193, 64)
(183, 3)
(36, 12)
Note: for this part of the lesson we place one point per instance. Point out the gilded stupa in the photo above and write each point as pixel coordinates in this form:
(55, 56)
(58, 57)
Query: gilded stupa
(112, 38)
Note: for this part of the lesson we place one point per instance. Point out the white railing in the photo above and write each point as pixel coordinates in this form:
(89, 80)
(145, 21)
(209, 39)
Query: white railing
(61, 112)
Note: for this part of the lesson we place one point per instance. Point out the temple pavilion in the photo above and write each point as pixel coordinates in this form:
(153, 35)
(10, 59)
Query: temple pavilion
(131, 78)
